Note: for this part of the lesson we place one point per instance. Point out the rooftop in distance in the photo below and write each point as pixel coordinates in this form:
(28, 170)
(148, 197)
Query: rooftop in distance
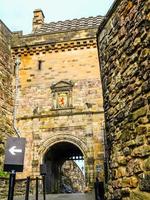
(63, 26)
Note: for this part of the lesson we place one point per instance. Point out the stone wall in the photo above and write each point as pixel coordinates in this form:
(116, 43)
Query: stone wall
(123, 53)
(73, 176)
(20, 187)
(4, 187)
(6, 101)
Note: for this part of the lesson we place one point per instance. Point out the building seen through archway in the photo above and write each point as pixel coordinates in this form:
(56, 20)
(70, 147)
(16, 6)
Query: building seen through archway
(63, 174)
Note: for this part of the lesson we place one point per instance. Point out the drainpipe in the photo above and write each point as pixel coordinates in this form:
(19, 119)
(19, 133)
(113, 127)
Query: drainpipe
(17, 63)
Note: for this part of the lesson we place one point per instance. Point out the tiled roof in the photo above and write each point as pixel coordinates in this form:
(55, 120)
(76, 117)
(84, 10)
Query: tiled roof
(70, 25)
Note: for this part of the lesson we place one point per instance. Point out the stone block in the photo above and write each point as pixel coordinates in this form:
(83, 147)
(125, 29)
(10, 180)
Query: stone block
(138, 166)
(139, 140)
(121, 172)
(147, 164)
(117, 194)
(114, 164)
(141, 151)
(131, 182)
(35, 163)
(121, 160)
(125, 136)
(130, 143)
(145, 183)
(120, 116)
(141, 130)
(125, 182)
(138, 195)
(148, 140)
(143, 120)
(125, 191)
(90, 160)
(127, 151)
(146, 86)
(139, 113)
(138, 103)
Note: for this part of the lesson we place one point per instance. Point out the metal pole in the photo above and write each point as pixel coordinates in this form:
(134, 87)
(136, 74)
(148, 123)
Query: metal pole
(44, 185)
(37, 185)
(27, 188)
(11, 185)
(99, 190)
(96, 185)
(17, 63)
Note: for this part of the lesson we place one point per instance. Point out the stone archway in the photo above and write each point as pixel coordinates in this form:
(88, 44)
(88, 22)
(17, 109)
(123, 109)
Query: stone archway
(62, 138)
(54, 152)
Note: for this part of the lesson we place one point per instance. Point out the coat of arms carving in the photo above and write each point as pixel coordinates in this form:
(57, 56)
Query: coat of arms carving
(62, 94)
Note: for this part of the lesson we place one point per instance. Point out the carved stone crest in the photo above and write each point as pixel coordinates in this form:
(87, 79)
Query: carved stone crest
(62, 94)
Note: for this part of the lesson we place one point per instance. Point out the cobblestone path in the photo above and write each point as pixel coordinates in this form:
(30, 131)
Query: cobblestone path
(76, 196)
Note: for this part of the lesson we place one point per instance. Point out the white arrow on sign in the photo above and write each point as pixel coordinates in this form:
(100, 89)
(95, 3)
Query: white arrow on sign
(13, 150)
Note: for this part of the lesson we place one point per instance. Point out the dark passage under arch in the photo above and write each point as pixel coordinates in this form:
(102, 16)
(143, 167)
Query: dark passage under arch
(54, 159)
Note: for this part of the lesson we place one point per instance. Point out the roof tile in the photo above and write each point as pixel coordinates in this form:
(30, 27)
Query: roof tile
(70, 25)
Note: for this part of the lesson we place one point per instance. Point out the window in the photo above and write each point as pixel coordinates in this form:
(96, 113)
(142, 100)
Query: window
(40, 64)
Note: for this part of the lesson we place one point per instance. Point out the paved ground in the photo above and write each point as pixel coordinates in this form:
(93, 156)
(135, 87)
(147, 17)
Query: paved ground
(76, 196)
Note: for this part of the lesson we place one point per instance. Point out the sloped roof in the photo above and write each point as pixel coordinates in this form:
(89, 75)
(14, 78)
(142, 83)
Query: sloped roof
(70, 25)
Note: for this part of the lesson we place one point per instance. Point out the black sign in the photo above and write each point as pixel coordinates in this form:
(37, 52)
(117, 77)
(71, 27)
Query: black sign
(14, 154)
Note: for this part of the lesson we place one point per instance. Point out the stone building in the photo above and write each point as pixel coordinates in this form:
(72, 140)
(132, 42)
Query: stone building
(123, 42)
(6, 95)
(59, 102)
(73, 176)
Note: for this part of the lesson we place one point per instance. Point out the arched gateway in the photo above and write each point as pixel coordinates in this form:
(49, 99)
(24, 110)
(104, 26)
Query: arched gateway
(59, 108)
(58, 150)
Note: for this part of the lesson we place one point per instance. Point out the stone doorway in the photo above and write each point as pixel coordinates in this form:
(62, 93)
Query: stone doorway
(64, 174)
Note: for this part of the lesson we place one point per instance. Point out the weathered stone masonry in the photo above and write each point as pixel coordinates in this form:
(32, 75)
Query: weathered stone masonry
(123, 41)
(57, 51)
(54, 57)
(6, 100)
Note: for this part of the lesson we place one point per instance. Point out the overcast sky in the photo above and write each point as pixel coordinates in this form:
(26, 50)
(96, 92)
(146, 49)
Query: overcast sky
(18, 14)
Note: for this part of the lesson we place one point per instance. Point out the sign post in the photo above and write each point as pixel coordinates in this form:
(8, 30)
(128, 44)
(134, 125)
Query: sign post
(11, 185)
(14, 160)
(37, 188)
(27, 188)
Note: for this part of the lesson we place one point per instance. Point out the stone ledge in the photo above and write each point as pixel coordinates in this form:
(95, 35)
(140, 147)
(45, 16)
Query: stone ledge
(59, 114)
